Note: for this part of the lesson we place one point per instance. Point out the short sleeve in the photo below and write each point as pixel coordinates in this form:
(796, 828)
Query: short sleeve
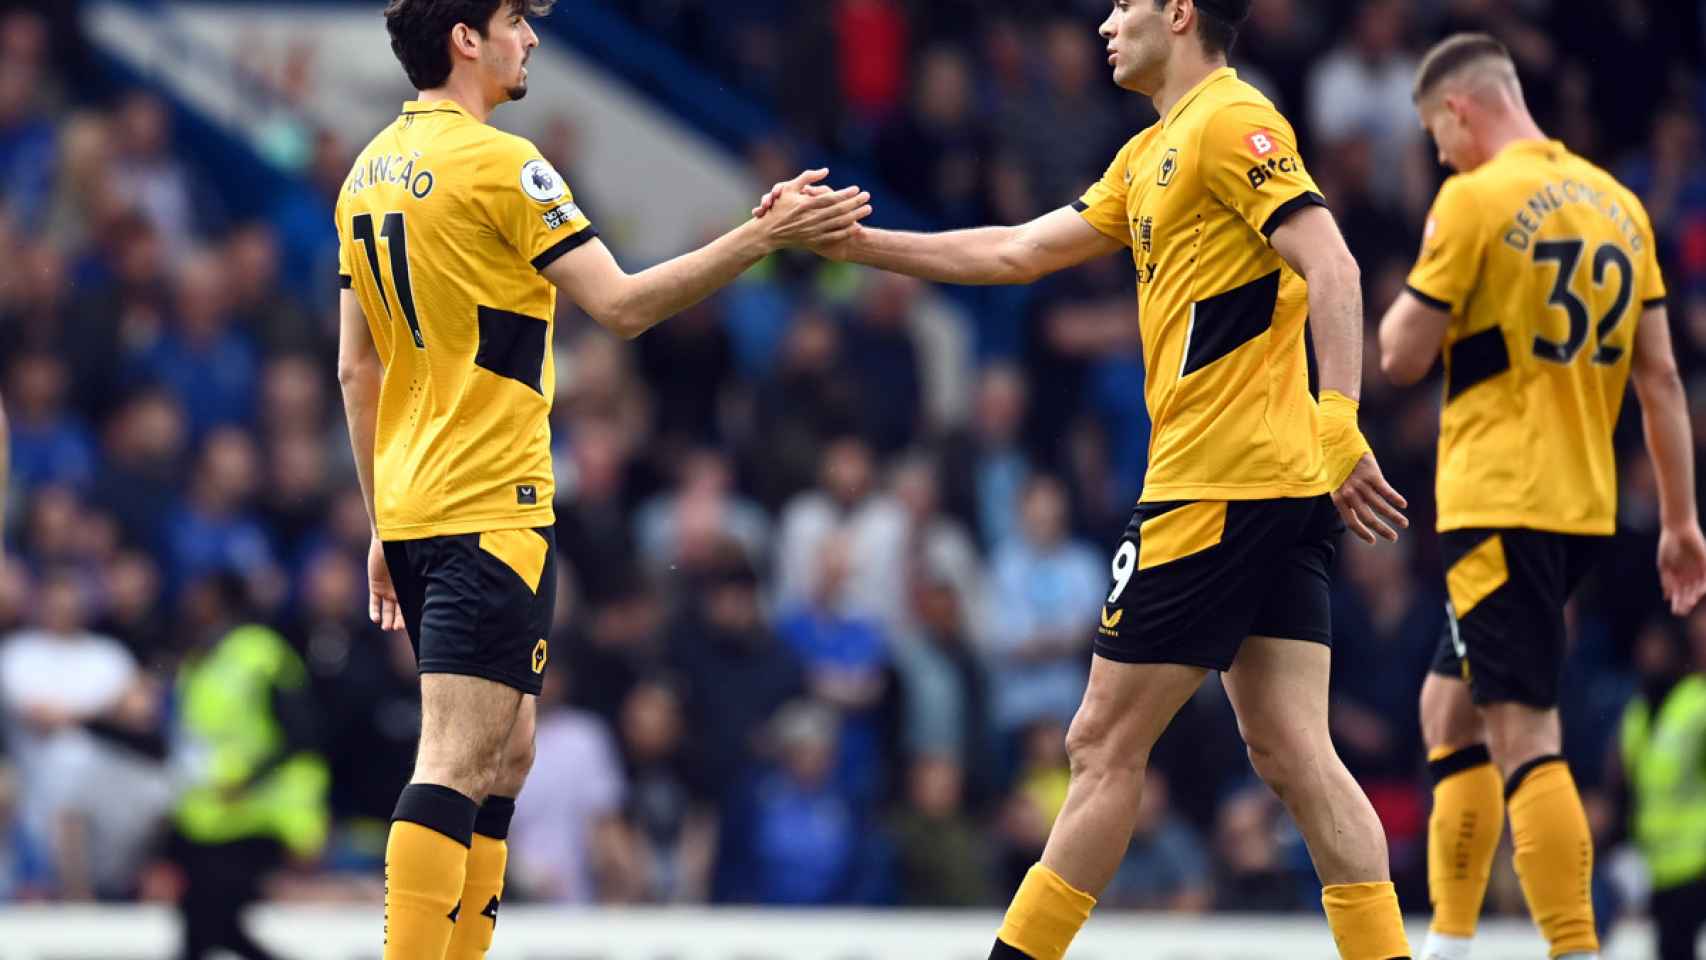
(344, 275)
(529, 204)
(1452, 242)
(1652, 279)
(1103, 206)
(1248, 159)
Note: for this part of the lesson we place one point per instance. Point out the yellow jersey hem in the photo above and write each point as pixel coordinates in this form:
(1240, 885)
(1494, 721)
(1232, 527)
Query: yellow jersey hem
(1526, 521)
(543, 517)
(1155, 492)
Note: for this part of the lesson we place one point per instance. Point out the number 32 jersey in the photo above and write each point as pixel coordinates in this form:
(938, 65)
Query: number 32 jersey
(1545, 263)
(443, 227)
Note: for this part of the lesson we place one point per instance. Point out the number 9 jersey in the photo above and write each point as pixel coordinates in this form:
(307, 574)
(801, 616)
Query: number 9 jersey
(1545, 263)
(443, 227)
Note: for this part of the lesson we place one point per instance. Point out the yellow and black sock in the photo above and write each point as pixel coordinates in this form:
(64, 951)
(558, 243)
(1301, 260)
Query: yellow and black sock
(1554, 853)
(1045, 915)
(1463, 835)
(1366, 921)
(483, 891)
(426, 859)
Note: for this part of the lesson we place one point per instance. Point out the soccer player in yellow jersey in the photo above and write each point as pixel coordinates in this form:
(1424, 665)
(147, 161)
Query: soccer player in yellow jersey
(454, 239)
(1538, 281)
(1224, 565)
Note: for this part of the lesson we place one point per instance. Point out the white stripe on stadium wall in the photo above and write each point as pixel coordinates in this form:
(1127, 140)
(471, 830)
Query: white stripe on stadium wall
(653, 186)
(543, 933)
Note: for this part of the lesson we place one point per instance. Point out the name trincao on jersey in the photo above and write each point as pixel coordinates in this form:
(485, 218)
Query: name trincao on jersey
(1528, 219)
(396, 170)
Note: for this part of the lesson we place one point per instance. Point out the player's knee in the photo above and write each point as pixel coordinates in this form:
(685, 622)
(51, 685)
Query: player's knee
(1099, 746)
(518, 763)
(469, 772)
(1449, 718)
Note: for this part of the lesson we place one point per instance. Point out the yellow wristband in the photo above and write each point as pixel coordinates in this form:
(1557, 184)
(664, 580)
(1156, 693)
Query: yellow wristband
(1342, 443)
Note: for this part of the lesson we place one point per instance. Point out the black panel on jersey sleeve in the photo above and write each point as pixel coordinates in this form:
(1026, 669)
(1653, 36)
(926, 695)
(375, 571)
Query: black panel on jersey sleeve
(1227, 321)
(1474, 359)
(512, 345)
(1652, 302)
(344, 281)
(1286, 209)
(1080, 206)
(563, 246)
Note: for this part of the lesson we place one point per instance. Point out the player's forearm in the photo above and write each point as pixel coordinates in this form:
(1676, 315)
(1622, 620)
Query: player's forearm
(1664, 419)
(654, 295)
(982, 256)
(1335, 320)
(361, 410)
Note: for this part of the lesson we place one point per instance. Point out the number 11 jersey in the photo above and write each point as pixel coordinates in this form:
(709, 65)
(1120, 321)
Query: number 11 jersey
(1545, 263)
(444, 225)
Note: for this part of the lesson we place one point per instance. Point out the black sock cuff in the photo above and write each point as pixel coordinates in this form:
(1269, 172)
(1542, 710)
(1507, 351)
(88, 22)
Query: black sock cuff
(1457, 762)
(494, 816)
(1521, 773)
(438, 808)
(1006, 951)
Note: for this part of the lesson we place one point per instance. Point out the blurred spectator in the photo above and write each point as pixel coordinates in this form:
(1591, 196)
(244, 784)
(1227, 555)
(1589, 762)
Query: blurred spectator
(26, 872)
(845, 500)
(931, 153)
(248, 735)
(906, 537)
(846, 658)
(986, 467)
(1064, 129)
(885, 363)
(145, 443)
(1045, 592)
(211, 366)
(735, 669)
(1664, 752)
(76, 708)
(670, 812)
(682, 530)
(151, 173)
(259, 305)
(594, 532)
(26, 138)
(50, 444)
(1037, 795)
(942, 855)
(1362, 89)
(807, 406)
(1253, 874)
(213, 528)
(945, 687)
(1167, 866)
(568, 843)
(796, 838)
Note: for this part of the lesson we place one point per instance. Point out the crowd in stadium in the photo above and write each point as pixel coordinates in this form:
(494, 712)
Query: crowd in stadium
(834, 541)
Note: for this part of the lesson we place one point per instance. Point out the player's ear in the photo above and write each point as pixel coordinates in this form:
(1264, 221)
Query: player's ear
(465, 40)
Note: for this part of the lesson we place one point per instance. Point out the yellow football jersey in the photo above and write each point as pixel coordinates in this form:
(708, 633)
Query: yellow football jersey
(1545, 263)
(1196, 197)
(443, 227)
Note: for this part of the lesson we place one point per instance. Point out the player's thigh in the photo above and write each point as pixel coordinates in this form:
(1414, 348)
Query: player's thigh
(1278, 690)
(1449, 717)
(1508, 589)
(1126, 708)
(466, 721)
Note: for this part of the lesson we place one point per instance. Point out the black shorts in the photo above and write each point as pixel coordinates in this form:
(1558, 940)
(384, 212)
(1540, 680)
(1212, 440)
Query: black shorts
(1193, 578)
(1504, 625)
(479, 604)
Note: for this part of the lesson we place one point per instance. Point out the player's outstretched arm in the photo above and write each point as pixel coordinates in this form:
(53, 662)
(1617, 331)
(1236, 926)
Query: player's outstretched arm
(1309, 240)
(630, 304)
(1410, 338)
(360, 373)
(1664, 418)
(983, 256)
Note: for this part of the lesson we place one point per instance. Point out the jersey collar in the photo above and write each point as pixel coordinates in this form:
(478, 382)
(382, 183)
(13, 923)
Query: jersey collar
(415, 107)
(1217, 74)
(1532, 146)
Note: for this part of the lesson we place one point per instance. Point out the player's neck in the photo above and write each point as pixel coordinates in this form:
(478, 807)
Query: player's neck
(463, 92)
(1187, 68)
(1512, 129)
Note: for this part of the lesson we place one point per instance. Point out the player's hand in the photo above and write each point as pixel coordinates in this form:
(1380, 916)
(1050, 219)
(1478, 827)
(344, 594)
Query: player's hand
(1369, 505)
(382, 606)
(1682, 567)
(802, 217)
(769, 200)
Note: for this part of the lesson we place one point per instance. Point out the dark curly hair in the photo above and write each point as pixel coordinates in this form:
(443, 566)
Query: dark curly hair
(420, 31)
